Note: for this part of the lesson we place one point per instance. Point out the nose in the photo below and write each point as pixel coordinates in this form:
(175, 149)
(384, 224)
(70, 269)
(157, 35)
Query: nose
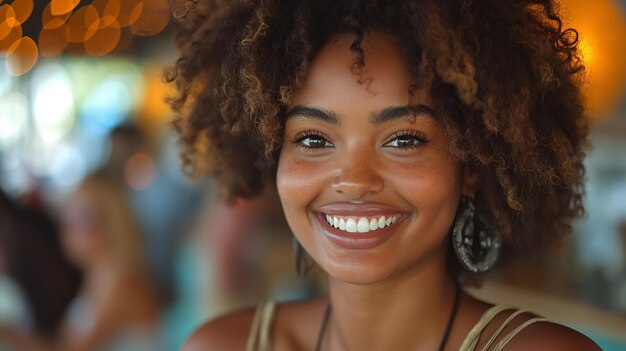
(357, 176)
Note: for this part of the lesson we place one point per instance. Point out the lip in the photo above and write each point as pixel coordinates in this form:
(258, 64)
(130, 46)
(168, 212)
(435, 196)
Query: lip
(358, 241)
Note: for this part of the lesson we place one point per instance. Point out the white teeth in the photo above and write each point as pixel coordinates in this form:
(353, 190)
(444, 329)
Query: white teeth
(351, 225)
(381, 222)
(360, 224)
(363, 226)
(373, 224)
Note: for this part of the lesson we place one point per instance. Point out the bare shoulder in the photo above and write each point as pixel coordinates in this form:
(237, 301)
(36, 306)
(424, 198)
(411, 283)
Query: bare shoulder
(227, 332)
(551, 337)
(294, 327)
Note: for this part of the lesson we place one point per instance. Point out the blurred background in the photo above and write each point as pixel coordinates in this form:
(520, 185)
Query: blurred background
(106, 245)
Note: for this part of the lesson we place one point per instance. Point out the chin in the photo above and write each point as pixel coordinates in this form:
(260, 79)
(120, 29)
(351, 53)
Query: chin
(358, 270)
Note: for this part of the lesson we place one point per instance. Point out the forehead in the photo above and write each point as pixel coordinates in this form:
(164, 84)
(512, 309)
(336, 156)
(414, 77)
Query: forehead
(383, 80)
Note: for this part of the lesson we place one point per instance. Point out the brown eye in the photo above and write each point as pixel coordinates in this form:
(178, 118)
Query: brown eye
(406, 140)
(310, 140)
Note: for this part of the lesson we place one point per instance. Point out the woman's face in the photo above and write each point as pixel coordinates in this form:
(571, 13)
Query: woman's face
(354, 157)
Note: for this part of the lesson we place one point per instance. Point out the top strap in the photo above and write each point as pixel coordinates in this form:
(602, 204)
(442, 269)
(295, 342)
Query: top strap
(500, 346)
(261, 325)
(471, 341)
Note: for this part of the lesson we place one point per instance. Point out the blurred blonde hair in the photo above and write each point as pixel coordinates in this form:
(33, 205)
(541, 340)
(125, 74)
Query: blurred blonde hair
(116, 219)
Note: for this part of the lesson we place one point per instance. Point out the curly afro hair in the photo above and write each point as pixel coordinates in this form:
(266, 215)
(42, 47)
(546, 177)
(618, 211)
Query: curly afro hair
(505, 77)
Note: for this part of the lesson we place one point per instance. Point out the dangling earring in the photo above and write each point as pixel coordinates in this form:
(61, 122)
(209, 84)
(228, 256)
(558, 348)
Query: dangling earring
(302, 266)
(477, 246)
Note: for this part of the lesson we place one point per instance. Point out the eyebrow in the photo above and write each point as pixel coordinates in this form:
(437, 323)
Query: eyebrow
(314, 113)
(386, 115)
(397, 112)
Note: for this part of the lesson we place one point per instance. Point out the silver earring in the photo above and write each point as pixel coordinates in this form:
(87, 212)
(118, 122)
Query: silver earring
(477, 246)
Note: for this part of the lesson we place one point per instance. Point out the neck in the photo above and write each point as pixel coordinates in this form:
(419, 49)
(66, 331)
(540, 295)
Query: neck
(410, 311)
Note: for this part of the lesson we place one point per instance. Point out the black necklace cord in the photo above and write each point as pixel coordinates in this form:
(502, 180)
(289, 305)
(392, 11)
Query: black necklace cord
(455, 308)
(446, 334)
(320, 336)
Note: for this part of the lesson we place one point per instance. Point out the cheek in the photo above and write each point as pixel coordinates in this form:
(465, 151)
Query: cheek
(433, 188)
(298, 182)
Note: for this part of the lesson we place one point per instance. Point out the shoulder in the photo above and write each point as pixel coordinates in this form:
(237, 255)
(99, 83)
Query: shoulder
(227, 332)
(551, 336)
(526, 333)
(291, 328)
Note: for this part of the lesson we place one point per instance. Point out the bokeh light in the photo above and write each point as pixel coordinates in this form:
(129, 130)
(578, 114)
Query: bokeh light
(104, 40)
(67, 167)
(126, 40)
(13, 116)
(154, 18)
(108, 10)
(7, 20)
(602, 28)
(23, 9)
(14, 34)
(61, 7)
(107, 105)
(97, 28)
(52, 41)
(83, 24)
(53, 104)
(129, 12)
(22, 56)
(51, 21)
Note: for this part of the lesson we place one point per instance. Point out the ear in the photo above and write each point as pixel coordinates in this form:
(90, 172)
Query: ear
(470, 180)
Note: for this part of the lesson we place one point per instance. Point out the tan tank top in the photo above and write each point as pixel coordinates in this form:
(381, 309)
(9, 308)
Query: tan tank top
(262, 322)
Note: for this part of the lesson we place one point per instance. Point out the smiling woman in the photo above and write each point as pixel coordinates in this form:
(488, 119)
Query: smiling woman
(408, 141)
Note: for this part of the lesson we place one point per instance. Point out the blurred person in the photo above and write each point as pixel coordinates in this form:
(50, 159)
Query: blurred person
(409, 141)
(117, 308)
(235, 236)
(163, 203)
(37, 283)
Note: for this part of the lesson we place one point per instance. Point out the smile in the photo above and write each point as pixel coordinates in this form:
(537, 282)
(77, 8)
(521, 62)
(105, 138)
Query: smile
(359, 226)
(353, 224)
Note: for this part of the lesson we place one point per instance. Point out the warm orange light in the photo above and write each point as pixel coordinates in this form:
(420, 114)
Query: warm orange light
(108, 10)
(61, 7)
(51, 21)
(83, 24)
(9, 39)
(129, 12)
(7, 20)
(602, 28)
(113, 8)
(154, 18)
(104, 40)
(23, 9)
(154, 114)
(22, 57)
(52, 41)
(126, 39)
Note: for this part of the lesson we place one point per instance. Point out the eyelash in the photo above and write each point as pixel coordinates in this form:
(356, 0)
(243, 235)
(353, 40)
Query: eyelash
(300, 137)
(419, 137)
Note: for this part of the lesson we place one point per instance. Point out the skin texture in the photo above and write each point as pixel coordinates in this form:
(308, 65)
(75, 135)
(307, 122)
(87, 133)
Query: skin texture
(399, 290)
